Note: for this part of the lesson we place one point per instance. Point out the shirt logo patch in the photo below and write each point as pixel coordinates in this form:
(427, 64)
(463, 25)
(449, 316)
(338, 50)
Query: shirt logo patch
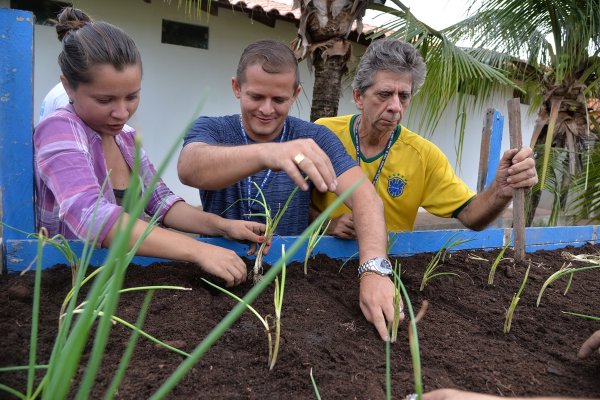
(396, 185)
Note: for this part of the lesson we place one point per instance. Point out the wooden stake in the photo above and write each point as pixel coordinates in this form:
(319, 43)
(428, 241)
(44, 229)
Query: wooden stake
(516, 142)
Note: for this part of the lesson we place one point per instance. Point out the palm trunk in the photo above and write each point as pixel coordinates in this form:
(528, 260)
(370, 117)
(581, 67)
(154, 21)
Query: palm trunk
(327, 86)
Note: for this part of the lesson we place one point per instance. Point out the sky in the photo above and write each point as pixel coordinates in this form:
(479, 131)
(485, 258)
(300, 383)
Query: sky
(436, 13)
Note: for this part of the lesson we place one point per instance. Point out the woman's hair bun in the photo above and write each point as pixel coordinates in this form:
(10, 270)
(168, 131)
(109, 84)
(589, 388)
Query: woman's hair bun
(70, 19)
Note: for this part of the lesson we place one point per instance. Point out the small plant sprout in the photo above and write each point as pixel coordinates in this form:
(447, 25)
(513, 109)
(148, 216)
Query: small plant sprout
(413, 341)
(589, 258)
(430, 273)
(271, 222)
(397, 302)
(513, 304)
(278, 302)
(568, 270)
(314, 385)
(314, 239)
(593, 318)
(496, 263)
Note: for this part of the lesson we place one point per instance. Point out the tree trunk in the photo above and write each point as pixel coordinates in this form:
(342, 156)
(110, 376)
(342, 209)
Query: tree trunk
(327, 86)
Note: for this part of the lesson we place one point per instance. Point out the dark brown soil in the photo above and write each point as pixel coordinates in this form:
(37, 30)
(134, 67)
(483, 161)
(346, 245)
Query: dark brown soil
(461, 336)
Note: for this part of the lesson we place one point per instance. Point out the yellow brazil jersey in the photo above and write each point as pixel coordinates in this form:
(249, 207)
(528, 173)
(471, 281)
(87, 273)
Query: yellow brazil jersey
(416, 174)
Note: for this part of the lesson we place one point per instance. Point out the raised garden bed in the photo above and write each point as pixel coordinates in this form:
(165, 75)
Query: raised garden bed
(461, 336)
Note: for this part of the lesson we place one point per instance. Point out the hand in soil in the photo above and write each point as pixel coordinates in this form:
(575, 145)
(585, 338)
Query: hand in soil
(377, 302)
(590, 345)
(223, 263)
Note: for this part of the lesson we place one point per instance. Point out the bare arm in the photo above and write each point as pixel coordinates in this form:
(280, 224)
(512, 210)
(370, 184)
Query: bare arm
(516, 170)
(168, 244)
(186, 218)
(214, 167)
(376, 292)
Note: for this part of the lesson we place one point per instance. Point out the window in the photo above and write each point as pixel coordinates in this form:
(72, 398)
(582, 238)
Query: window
(184, 34)
(43, 10)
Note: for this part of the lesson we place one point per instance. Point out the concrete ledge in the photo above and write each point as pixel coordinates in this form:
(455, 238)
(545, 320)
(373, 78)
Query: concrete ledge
(20, 253)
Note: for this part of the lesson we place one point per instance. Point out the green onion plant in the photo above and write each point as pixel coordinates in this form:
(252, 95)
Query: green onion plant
(497, 262)
(568, 270)
(271, 222)
(513, 304)
(397, 302)
(314, 239)
(430, 270)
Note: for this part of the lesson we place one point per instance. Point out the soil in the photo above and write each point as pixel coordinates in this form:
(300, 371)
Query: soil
(461, 335)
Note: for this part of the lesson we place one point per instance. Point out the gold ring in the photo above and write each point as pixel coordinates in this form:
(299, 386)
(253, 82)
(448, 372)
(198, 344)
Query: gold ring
(299, 158)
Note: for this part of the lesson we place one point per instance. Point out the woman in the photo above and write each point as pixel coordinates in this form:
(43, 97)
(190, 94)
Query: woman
(78, 145)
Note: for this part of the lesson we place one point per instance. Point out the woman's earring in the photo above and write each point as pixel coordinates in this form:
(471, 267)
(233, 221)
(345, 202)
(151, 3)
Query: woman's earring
(70, 101)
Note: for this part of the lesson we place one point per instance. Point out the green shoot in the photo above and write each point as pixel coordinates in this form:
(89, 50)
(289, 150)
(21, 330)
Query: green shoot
(593, 318)
(413, 340)
(560, 273)
(430, 273)
(262, 319)
(314, 384)
(496, 263)
(397, 302)
(271, 223)
(352, 257)
(392, 240)
(513, 304)
(314, 239)
(278, 302)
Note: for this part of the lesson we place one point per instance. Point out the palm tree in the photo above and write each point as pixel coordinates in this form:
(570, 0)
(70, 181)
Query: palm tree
(323, 38)
(548, 49)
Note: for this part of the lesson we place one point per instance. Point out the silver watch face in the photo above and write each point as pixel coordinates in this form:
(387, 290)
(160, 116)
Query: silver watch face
(384, 266)
(378, 264)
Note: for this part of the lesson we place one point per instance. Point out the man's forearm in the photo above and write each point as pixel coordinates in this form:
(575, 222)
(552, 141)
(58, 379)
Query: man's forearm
(368, 214)
(484, 208)
(214, 167)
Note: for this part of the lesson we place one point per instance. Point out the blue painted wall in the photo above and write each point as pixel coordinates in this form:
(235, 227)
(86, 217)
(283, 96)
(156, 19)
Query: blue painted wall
(16, 121)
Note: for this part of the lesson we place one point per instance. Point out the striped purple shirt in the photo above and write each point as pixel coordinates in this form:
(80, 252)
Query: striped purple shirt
(70, 170)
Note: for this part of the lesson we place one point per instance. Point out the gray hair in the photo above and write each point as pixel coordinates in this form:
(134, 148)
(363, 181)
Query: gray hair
(390, 55)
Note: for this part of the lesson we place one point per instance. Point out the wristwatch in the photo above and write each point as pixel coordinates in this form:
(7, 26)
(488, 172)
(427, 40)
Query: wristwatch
(379, 265)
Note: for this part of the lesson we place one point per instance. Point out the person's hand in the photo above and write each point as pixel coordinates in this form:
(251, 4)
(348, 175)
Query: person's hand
(377, 301)
(248, 231)
(223, 263)
(590, 345)
(342, 227)
(453, 394)
(302, 156)
(516, 170)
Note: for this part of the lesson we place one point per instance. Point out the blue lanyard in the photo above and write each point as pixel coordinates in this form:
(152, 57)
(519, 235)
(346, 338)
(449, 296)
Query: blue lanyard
(250, 200)
(387, 149)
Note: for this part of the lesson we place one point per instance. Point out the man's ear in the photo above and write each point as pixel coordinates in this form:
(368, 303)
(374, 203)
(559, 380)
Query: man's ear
(236, 87)
(357, 98)
(296, 93)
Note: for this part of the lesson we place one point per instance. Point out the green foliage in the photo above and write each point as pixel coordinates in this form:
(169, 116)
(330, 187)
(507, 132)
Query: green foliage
(513, 304)
(496, 262)
(440, 256)
(397, 271)
(559, 274)
(313, 240)
(271, 222)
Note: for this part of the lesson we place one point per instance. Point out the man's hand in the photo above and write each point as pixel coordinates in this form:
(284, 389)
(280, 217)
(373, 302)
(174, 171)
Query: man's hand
(377, 301)
(590, 345)
(342, 227)
(516, 170)
(302, 155)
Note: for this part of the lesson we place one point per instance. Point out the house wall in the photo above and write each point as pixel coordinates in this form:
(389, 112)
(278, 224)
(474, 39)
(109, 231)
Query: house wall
(177, 80)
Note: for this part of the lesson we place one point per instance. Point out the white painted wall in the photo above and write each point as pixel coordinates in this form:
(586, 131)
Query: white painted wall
(179, 79)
